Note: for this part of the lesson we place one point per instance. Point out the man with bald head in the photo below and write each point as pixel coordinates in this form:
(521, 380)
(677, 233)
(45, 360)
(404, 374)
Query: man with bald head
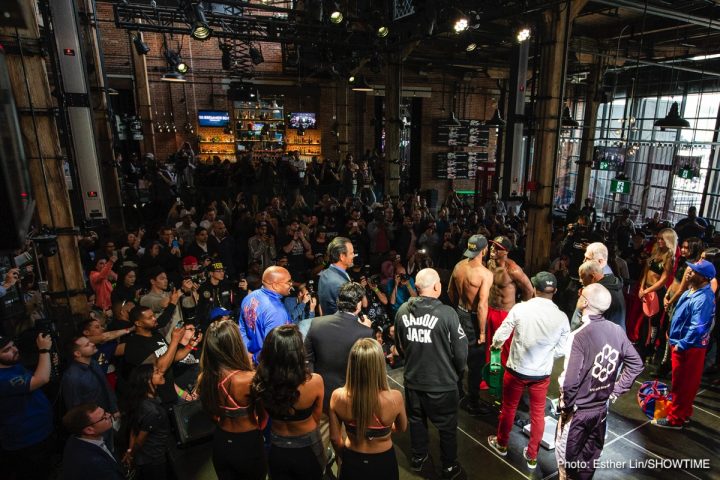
(595, 353)
(432, 341)
(263, 310)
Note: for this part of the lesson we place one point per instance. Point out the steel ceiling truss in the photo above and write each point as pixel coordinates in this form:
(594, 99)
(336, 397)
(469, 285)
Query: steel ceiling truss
(254, 23)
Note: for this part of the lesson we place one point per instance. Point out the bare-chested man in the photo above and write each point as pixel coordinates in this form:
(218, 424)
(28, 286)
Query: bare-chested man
(468, 291)
(507, 279)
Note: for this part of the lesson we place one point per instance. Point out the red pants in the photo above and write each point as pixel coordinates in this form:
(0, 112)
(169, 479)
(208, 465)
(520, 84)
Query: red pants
(512, 391)
(494, 320)
(687, 369)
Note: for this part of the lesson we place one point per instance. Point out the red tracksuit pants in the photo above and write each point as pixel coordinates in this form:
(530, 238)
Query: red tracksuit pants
(687, 369)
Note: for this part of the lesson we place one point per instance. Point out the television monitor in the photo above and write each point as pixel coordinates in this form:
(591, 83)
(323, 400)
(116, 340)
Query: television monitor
(213, 118)
(306, 119)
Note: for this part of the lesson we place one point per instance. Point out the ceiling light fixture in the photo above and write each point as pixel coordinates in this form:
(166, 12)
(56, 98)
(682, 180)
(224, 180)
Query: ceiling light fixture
(523, 34)
(199, 30)
(361, 85)
(140, 47)
(461, 22)
(700, 58)
(175, 61)
(567, 121)
(672, 119)
(471, 47)
(336, 15)
(382, 31)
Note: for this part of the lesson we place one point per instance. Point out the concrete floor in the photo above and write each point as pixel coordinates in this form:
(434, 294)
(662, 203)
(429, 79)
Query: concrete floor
(631, 439)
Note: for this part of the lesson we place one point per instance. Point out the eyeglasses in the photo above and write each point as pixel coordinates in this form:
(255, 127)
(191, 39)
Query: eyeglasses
(105, 416)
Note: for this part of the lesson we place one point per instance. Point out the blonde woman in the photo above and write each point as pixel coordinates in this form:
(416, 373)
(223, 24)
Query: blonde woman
(370, 412)
(658, 272)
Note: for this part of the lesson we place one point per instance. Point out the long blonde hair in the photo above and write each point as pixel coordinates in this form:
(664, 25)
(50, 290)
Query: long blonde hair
(671, 241)
(365, 380)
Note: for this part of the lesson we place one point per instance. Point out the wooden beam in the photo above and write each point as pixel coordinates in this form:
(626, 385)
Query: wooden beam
(556, 27)
(31, 90)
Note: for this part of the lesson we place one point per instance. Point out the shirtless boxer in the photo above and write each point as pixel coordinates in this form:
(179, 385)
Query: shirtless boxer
(507, 279)
(469, 289)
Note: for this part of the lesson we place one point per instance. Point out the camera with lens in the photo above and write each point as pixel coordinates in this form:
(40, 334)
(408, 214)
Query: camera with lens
(311, 288)
(404, 277)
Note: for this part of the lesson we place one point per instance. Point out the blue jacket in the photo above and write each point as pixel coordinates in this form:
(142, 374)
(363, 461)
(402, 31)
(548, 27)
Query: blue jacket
(87, 384)
(329, 283)
(693, 318)
(260, 312)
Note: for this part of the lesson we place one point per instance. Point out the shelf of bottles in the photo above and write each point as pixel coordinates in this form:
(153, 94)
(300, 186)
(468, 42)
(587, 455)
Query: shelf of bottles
(260, 125)
(307, 145)
(216, 142)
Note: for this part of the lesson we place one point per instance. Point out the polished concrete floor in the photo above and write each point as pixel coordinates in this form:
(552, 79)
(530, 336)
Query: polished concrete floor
(633, 449)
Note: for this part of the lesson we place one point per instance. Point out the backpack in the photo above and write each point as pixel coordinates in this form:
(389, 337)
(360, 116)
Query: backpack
(653, 399)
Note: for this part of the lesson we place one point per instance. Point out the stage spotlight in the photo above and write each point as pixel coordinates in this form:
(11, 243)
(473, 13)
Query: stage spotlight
(140, 47)
(382, 31)
(200, 30)
(471, 47)
(461, 22)
(523, 34)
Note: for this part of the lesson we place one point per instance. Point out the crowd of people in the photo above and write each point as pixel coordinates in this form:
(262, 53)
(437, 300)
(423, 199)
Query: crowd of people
(279, 296)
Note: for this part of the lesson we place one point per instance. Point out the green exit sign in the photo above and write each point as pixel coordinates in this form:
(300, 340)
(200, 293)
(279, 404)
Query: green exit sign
(604, 165)
(620, 186)
(687, 173)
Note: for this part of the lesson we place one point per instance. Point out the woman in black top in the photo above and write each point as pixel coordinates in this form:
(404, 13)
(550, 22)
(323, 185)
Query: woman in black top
(148, 423)
(224, 387)
(293, 398)
(125, 289)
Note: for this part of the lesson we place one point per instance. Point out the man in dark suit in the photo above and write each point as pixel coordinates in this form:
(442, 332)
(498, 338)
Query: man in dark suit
(86, 456)
(340, 255)
(329, 340)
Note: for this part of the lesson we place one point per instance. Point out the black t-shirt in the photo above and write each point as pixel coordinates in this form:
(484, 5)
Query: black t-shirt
(140, 350)
(153, 418)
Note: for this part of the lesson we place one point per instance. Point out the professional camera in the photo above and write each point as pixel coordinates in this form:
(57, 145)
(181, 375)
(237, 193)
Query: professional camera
(404, 277)
(311, 288)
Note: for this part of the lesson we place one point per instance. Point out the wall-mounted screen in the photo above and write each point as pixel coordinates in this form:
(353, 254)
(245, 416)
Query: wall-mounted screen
(306, 119)
(213, 118)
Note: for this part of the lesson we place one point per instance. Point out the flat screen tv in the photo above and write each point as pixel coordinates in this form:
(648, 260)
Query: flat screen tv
(213, 118)
(306, 119)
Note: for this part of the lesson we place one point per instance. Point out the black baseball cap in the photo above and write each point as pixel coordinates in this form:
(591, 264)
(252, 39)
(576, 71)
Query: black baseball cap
(503, 242)
(543, 281)
(476, 244)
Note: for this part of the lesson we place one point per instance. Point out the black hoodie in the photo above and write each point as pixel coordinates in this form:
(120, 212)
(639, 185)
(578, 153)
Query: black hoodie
(616, 312)
(429, 336)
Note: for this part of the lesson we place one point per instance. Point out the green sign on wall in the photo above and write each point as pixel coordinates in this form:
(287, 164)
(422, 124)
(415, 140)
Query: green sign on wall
(620, 186)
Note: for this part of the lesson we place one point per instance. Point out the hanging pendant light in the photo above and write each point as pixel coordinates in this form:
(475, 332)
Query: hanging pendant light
(496, 120)
(361, 85)
(567, 121)
(672, 119)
